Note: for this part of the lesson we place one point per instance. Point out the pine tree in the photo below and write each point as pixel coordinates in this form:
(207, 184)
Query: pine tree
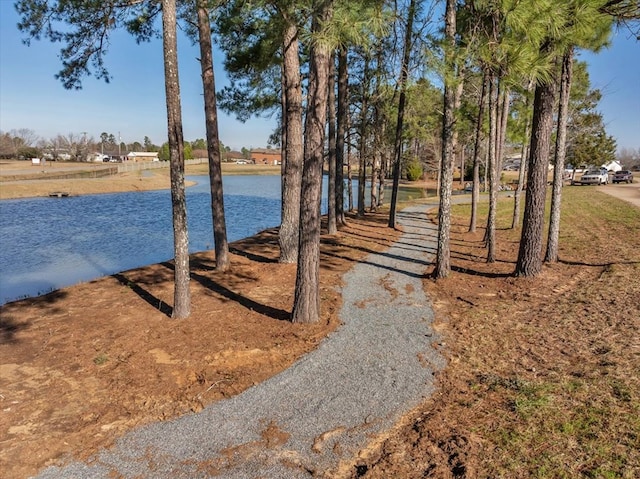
(443, 259)
(402, 86)
(306, 304)
(576, 22)
(181, 294)
(83, 28)
(213, 140)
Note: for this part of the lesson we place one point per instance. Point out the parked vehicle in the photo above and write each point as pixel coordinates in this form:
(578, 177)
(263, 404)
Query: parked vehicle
(595, 177)
(623, 176)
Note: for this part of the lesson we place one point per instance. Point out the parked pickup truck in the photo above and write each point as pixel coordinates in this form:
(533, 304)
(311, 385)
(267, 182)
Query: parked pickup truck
(595, 177)
(623, 175)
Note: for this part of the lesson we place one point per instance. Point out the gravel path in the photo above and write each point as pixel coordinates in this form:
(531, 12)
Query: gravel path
(322, 410)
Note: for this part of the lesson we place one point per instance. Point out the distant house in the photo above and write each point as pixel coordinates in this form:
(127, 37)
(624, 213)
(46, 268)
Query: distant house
(97, 157)
(613, 166)
(266, 156)
(142, 156)
(233, 156)
(200, 154)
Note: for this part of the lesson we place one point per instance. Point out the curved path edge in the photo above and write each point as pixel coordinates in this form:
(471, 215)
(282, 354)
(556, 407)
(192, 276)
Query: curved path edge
(325, 408)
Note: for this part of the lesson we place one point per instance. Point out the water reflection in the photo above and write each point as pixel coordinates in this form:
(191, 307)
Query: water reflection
(50, 243)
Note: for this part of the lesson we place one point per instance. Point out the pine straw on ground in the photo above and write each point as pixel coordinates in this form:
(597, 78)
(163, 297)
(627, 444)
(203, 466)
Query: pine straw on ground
(83, 365)
(543, 376)
(542, 379)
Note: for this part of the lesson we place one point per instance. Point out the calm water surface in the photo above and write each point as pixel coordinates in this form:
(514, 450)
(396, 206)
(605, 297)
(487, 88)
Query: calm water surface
(49, 243)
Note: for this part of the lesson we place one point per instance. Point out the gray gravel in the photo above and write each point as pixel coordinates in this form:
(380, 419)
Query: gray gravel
(322, 410)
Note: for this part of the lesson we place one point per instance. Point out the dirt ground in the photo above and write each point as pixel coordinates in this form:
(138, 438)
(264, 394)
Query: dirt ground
(543, 375)
(111, 358)
(81, 366)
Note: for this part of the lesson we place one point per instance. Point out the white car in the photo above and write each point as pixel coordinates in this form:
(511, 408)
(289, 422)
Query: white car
(595, 177)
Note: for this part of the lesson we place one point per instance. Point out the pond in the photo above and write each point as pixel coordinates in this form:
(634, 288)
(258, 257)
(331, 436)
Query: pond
(50, 243)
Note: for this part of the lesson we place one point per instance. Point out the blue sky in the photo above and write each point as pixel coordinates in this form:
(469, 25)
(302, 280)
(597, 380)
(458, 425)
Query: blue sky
(615, 71)
(133, 103)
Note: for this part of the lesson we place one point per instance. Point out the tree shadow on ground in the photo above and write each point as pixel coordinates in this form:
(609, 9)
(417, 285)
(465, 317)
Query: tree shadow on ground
(153, 301)
(473, 272)
(599, 265)
(248, 303)
(10, 325)
(9, 328)
(263, 247)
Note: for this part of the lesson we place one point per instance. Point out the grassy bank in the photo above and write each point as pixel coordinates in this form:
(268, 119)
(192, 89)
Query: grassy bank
(543, 378)
(18, 179)
(21, 180)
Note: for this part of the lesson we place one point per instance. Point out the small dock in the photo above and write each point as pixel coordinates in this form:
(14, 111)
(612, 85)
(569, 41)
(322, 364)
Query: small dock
(59, 194)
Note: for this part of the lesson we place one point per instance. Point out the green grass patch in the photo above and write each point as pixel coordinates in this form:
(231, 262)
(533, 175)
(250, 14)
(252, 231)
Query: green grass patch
(574, 411)
(101, 359)
(585, 212)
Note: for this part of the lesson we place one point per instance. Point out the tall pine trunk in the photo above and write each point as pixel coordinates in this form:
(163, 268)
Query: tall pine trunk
(504, 120)
(443, 255)
(490, 232)
(364, 133)
(293, 148)
(522, 171)
(375, 163)
(404, 74)
(551, 255)
(530, 253)
(382, 172)
(463, 159)
(522, 174)
(349, 170)
(306, 303)
(213, 140)
(332, 227)
(498, 115)
(378, 132)
(181, 294)
(475, 192)
(460, 74)
(341, 126)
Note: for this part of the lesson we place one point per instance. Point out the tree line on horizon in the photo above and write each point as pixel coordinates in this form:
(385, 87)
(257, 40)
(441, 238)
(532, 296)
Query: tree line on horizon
(398, 83)
(24, 144)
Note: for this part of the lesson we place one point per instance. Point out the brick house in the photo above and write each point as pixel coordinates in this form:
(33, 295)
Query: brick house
(266, 156)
